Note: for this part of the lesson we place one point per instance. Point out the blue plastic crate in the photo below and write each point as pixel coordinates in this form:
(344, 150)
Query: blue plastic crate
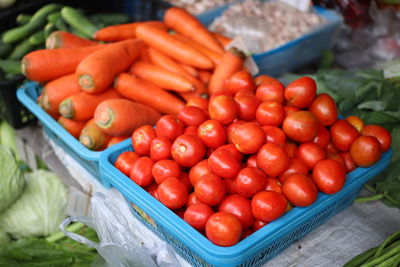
(296, 53)
(254, 250)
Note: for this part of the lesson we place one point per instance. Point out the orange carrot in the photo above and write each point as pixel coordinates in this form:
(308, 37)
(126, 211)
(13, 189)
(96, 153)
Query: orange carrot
(205, 76)
(97, 71)
(192, 71)
(116, 139)
(120, 117)
(147, 93)
(231, 62)
(163, 78)
(223, 40)
(144, 55)
(73, 127)
(57, 90)
(176, 49)
(60, 39)
(163, 61)
(49, 64)
(183, 22)
(81, 106)
(124, 31)
(93, 137)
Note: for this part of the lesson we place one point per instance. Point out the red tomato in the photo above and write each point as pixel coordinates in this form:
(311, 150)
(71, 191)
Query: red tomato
(212, 133)
(323, 136)
(258, 225)
(164, 169)
(224, 229)
(239, 81)
(301, 92)
(301, 126)
(264, 78)
(270, 90)
(184, 178)
(365, 151)
(172, 193)
(272, 159)
(248, 105)
(198, 170)
(231, 128)
(330, 148)
(141, 171)
(252, 161)
(198, 101)
(191, 130)
(197, 215)
(160, 148)
(348, 161)
(231, 148)
(152, 190)
(180, 212)
(248, 138)
(223, 109)
(223, 163)
(300, 190)
(273, 184)
(247, 232)
(380, 133)
(329, 176)
(274, 134)
(343, 134)
(250, 181)
(124, 162)
(169, 126)
(187, 150)
(220, 93)
(230, 186)
(192, 199)
(270, 113)
(141, 139)
(245, 92)
(210, 189)
(289, 109)
(310, 154)
(268, 205)
(324, 108)
(290, 148)
(296, 165)
(240, 207)
(192, 116)
(336, 156)
(356, 122)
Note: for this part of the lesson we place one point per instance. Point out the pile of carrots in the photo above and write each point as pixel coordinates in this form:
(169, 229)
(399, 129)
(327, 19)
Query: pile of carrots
(129, 75)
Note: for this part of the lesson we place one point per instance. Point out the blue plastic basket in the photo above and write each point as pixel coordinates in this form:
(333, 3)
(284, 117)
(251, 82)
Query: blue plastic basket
(254, 250)
(296, 53)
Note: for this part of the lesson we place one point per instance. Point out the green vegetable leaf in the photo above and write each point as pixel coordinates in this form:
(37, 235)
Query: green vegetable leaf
(375, 105)
(396, 144)
(390, 182)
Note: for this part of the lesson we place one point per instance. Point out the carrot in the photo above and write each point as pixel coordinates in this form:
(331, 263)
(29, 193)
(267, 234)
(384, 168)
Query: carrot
(116, 139)
(162, 60)
(163, 78)
(205, 76)
(192, 71)
(231, 62)
(97, 71)
(60, 39)
(144, 55)
(49, 64)
(92, 137)
(176, 49)
(81, 106)
(56, 91)
(124, 31)
(223, 40)
(183, 22)
(120, 117)
(72, 126)
(147, 93)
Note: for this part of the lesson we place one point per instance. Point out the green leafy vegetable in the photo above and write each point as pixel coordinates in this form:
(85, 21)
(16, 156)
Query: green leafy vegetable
(4, 238)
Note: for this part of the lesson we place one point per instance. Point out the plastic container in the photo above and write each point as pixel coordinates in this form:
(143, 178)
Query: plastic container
(296, 53)
(141, 10)
(254, 250)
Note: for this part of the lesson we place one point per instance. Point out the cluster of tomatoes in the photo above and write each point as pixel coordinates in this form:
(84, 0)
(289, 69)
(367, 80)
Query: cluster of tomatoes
(232, 164)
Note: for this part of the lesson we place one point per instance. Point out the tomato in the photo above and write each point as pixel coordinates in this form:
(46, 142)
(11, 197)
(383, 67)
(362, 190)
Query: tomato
(248, 138)
(270, 90)
(160, 148)
(164, 169)
(289, 109)
(264, 78)
(272, 159)
(301, 126)
(231, 128)
(250, 181)
(240, 207)
(210, 189)
(245, 92)
(198, 101)
(301, 92)
(247, 232)
(357, 122)
(310, 154)
(141, 171)
(192, 116)
(273, 184)
(336, 156)
(197, 215)
(380, 133)
(330, 148)
(231, 148)
(329, 176)
(268, 205)
(191, 130)
(300, 190)
(258, 225)
(343, 134)
(230, 186)
(224, 229)
(290, 148)
(223, 163)
(365, 151)
(248, 105)
(252, 161)
(169, 126)
(296, 165)
(220, 93)
(324, 108)
(152, 190)
(212, 133)
(187, 150)
(270, 113)
(274, 134)
(198, 170)
(192, 199)
(349, 163)
(224, 109)
(241, 80)
(323, 136)
(180, 212)
(141, 139)
(124, 162)
(172, 193)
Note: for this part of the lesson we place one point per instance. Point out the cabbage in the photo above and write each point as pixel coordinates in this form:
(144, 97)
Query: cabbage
(39, 210)
(4, 238)
(11, 178)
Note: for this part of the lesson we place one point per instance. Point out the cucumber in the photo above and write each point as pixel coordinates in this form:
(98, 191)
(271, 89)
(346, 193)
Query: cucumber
(61, 25)
(49, 28)
(53, 17)
(21, 50)
(11, 66)
(37, 21)
(79, 33)
(23, 19)
(5, 49)
(78, 21)
(110, 18)
(37, 38)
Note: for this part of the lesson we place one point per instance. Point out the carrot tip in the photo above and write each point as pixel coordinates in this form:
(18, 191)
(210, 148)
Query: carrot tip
(24, 67)
(86, 141)
(66, 109)
(105, 119)
(86, 82)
